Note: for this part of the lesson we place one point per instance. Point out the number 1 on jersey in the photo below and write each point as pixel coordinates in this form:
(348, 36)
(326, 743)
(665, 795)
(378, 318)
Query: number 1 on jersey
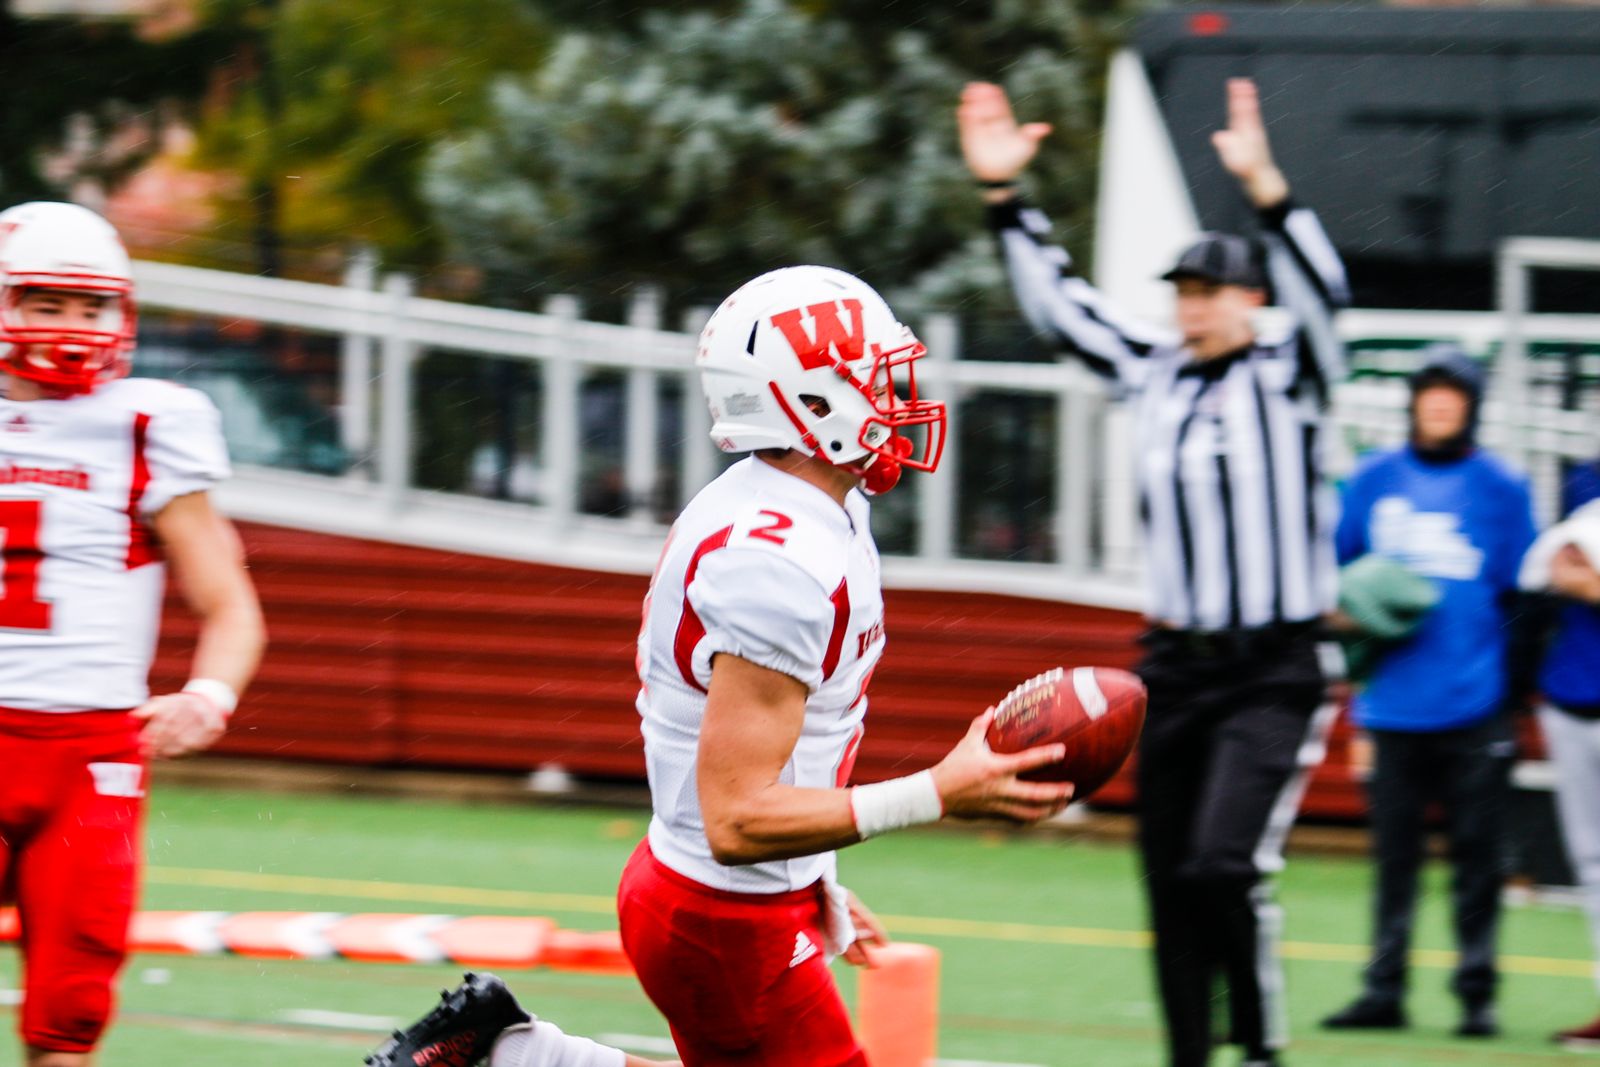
(20, 557)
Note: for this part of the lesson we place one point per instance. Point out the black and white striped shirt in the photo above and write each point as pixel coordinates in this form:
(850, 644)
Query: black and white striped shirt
(1237, 518)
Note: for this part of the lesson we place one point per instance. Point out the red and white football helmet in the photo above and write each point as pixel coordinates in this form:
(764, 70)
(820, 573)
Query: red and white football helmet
(64, 247)
(811, 358)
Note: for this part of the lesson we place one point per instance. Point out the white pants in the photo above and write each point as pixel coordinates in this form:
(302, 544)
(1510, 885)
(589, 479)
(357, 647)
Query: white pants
(1574, 746)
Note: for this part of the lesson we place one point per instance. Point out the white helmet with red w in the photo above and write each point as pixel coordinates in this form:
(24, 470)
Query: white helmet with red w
(811, 358)
(64, 248)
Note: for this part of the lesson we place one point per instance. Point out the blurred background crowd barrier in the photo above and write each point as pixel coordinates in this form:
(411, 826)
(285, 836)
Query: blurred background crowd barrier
(366, 410)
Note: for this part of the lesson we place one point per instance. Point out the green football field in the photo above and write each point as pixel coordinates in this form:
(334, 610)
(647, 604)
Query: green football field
(1044, 959)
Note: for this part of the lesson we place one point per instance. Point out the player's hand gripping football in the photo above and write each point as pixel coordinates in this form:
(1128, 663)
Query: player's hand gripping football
(975, 782)
(177, 724)
(1243, 147)
(995, 146)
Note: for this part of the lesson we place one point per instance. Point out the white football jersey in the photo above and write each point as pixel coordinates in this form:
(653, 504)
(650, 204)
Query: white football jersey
(81, 581)
(769, 568)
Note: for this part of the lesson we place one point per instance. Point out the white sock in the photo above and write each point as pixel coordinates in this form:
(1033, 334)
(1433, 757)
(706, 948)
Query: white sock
(542, 1044)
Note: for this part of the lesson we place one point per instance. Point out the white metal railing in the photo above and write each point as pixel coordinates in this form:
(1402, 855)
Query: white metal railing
(384, 327)
(1541, 429)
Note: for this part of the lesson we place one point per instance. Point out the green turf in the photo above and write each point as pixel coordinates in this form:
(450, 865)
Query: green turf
(1066, 983)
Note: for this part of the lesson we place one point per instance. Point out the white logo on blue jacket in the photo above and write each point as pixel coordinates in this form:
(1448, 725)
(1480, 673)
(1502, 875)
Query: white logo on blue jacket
(1431, 543)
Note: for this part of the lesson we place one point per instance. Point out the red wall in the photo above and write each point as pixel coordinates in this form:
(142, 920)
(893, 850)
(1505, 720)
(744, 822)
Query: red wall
(389, 655)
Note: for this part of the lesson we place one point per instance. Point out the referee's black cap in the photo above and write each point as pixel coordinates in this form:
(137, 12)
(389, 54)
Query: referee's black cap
(1223, 259)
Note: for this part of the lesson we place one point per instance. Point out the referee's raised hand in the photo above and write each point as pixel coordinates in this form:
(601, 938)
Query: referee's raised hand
(995, 146)
(1244, 150)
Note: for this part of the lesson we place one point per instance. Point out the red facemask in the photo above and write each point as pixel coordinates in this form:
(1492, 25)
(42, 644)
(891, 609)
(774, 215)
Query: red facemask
(68, 360)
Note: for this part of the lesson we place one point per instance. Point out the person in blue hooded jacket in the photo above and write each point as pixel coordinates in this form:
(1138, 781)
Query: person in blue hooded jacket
(1435, 703)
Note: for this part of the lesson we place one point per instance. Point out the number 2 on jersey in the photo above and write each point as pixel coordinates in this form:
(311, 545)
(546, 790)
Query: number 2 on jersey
(773, 531)
(20, 557)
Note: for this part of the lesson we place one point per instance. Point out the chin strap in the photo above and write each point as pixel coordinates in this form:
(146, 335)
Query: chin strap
(882, 473)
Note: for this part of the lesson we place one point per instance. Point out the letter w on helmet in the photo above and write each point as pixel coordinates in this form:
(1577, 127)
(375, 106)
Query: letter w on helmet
(831, 333)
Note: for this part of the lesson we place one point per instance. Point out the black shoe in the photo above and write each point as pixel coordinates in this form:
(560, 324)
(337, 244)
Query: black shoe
(1478, 1020)
(1368, 1013)
(459, 1032)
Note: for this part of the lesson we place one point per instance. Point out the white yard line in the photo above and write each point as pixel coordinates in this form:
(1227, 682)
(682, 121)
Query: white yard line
(646, 1043)
(638, 1043)
(338, 1020)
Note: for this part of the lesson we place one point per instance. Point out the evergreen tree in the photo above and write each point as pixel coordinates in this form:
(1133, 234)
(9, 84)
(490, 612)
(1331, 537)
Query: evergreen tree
(694, 149)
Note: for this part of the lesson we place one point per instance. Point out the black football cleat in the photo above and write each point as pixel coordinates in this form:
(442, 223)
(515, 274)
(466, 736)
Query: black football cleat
(457, 1033)
(1368, 1013)
(1478, 1020)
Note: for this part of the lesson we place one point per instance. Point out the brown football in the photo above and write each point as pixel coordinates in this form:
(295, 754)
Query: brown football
(1097, 712)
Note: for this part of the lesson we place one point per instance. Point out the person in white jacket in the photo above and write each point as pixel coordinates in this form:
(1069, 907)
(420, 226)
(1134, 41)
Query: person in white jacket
(1565, 561)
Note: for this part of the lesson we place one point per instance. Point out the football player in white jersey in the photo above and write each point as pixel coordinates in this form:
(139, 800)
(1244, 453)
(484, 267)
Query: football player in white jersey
(102, 479)
(761, 630)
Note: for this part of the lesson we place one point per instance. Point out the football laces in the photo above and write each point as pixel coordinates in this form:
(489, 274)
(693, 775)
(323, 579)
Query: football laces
(1025, 695)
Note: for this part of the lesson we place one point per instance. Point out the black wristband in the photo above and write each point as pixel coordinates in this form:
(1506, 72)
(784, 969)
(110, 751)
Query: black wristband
(1005, 215)
(1008, 183)
(1273, 217)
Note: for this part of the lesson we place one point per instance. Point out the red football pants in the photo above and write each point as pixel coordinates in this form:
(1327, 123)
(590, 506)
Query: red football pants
(739, 976)
(70, 806)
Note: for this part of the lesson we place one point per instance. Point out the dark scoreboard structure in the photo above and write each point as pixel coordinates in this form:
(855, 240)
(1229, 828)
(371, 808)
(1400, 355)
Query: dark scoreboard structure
(1422, 136)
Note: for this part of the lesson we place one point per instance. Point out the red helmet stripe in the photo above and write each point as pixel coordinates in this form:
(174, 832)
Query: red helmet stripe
(806, 436)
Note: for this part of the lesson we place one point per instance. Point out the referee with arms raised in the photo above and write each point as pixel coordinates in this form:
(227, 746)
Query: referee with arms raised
(1239, 530)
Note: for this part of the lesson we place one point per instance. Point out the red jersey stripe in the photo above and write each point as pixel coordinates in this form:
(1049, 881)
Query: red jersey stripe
(841, 623)
(847, 762)
(690, 628)
(141, 544)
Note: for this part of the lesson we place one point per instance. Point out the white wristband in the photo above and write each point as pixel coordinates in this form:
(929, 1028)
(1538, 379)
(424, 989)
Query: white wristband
(896, 804)
(219, 693)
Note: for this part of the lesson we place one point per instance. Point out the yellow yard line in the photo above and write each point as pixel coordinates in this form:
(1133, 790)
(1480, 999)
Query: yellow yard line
(984, 930)
(918, 925)
(360, 889)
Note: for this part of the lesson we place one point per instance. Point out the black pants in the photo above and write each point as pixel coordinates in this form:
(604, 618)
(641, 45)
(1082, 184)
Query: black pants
(1468, 772)
(1217, 791)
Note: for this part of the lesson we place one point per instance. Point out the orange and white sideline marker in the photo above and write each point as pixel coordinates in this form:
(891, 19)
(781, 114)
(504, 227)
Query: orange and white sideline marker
(595, 952)
(897, 1002)
(509, 941)
(897, 1005)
